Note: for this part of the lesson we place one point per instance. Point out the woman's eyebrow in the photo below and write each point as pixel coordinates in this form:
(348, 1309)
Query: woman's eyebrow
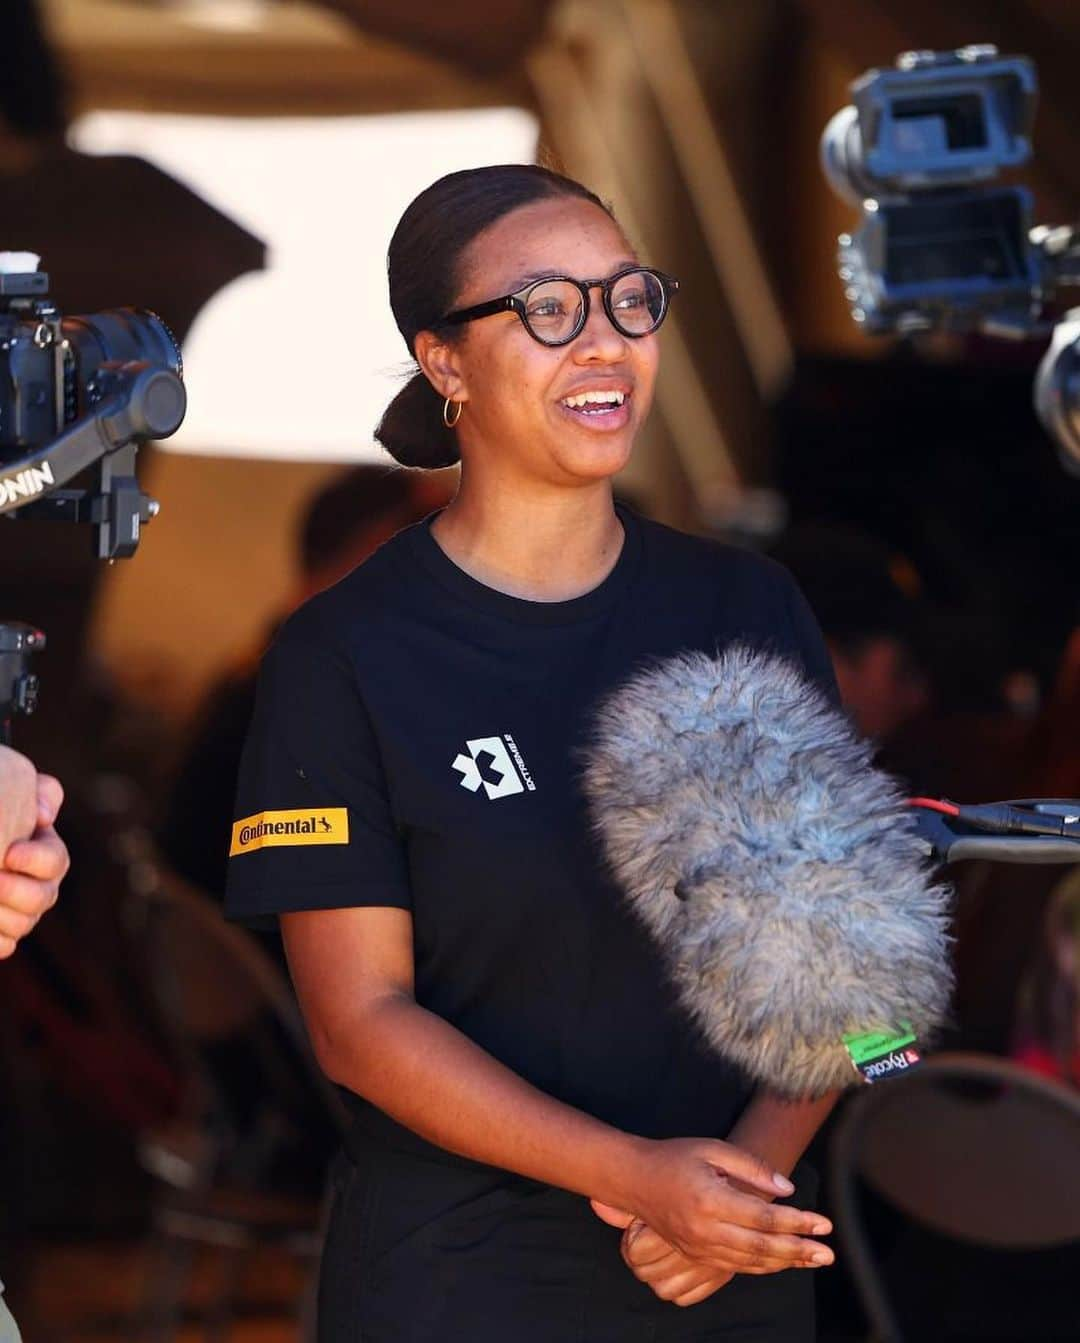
(530, 277)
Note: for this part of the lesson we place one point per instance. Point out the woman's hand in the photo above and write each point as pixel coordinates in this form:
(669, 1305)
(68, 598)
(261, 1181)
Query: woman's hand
(652, 1261)
(685, 1191)
(670, 1274)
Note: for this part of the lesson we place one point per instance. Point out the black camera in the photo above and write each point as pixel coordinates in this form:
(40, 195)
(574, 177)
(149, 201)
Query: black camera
(80, 392)
(77, 394)
(940, 246)
(914, 150)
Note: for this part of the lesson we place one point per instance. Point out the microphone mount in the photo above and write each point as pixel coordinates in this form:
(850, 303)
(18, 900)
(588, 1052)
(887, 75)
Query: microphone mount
(1026, 830)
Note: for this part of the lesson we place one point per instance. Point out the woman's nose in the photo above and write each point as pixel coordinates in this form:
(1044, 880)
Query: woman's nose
(599, 338)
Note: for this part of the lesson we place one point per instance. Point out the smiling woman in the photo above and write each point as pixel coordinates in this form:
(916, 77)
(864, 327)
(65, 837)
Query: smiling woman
(507, 1036)
(432, 265)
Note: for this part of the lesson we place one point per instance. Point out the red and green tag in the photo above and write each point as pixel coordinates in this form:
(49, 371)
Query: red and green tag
(881, 1054)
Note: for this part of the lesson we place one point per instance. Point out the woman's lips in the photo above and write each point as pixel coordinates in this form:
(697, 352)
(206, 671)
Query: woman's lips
(600, 416)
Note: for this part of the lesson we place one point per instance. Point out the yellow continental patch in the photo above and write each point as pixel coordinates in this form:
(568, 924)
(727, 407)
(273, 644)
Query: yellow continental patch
(274, 829)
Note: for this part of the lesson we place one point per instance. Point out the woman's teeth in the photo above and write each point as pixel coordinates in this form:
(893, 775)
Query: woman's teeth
(602, 401)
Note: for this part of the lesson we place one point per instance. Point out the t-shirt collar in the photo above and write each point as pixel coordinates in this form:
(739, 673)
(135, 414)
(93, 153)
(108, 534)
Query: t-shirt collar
(424, 548)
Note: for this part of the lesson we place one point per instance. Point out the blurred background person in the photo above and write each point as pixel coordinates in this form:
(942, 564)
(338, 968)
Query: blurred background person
(867, 600)
(346, 521)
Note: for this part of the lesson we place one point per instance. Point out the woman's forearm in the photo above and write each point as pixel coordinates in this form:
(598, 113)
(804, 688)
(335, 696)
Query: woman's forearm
(427, 1075)
(353, 974)
(779, 1131)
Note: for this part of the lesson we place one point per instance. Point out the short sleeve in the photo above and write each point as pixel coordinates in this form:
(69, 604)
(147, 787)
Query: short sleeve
(313, 825)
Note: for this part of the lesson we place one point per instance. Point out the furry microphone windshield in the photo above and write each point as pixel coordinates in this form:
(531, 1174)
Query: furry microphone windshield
(777, 869)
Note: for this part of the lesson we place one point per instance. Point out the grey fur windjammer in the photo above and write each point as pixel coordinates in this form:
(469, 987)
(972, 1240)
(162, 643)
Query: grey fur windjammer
(777, 869)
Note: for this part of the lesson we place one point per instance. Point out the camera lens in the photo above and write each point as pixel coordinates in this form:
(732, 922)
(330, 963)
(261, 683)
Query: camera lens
(121, 336)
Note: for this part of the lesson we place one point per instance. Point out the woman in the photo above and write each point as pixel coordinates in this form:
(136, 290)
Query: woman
(410, 806)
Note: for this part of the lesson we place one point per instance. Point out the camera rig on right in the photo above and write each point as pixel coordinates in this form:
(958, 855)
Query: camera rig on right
(941, 244)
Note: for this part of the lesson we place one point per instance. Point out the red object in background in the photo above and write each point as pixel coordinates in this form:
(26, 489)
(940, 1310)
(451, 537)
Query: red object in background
(1038, 1059)
(94, 1053)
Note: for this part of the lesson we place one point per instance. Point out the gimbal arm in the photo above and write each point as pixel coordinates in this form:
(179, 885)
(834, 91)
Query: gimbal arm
(140, 402)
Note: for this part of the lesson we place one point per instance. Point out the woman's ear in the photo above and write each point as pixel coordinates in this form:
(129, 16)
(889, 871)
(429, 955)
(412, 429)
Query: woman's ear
(440, 363)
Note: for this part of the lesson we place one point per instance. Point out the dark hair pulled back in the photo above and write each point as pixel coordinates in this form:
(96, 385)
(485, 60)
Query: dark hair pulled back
(423, 265)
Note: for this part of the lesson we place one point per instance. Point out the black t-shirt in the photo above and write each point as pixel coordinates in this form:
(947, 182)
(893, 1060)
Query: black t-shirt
(416, 743)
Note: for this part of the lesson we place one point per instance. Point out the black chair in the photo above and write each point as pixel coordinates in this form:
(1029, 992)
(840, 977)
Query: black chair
(975, 1151)
(227, 1010)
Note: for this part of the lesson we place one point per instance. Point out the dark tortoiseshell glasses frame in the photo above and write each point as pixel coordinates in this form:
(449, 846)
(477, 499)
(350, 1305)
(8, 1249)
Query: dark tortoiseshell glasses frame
(518, 302)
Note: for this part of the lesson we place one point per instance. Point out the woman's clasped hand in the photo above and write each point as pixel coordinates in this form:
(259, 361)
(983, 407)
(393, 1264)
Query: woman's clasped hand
(700, 1214)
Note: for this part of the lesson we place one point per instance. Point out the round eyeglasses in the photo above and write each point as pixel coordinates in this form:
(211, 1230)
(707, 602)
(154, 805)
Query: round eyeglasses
(554, 310)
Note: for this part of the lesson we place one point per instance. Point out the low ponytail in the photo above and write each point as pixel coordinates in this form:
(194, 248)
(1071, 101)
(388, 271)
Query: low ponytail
(412, 429)
(423, 267)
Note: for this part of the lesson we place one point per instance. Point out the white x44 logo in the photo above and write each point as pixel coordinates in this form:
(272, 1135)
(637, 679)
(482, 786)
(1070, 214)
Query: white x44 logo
(494, 764)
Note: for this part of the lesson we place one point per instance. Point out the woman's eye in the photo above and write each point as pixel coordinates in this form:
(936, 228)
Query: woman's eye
(634, 300)
(548, 307)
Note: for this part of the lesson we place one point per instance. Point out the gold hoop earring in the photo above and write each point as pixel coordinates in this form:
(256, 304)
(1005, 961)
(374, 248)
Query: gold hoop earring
(460, 405)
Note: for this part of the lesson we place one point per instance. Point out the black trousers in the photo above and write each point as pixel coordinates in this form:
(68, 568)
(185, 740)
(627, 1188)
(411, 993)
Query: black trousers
(429, 1251)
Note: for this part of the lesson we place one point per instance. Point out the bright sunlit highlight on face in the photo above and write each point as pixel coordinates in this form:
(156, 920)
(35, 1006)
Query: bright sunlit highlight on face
(300, 360)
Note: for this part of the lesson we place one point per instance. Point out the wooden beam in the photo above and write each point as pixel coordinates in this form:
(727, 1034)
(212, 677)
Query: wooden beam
(566, 103)
(483, 35)
(303, 61)
(668, 69)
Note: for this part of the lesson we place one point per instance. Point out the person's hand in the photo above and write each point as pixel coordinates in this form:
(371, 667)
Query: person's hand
(687, 1191)
(652, 1261)
(18, 797)
(33, 868)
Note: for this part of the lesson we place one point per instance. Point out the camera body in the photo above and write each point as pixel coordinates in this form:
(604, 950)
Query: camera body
(33, 372)
(941, 246)
(958, 263)
(80, 392)
(55, 369)
(76, 394)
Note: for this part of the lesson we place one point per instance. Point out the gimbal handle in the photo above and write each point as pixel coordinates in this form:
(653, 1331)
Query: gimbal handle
(18, 684)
